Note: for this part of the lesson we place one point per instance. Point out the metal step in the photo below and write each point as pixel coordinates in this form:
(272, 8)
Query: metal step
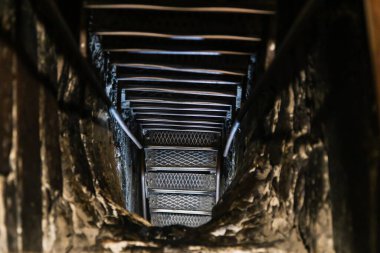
(178, 80)
(231, 63)
(174, 68)
(125, 42)
(181, 148)
(177, 138)
(181, 181)
(181, 120)
(180, 90)
(179, 114)
(178, 128)
(185, 202)
(177, 25)
(197, 128)
(175, 107)
(190, 220)
(181, 169)
(180, 158)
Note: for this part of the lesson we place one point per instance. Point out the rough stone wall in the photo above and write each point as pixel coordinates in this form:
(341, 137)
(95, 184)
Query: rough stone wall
(286, 163)
(58, 178)
(351, 127)
(127, 164)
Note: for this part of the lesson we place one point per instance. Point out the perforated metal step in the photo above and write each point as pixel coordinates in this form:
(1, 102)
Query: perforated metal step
(180, 158)
(181, 181)
(181, 202)
(190, 220)
(182, 138)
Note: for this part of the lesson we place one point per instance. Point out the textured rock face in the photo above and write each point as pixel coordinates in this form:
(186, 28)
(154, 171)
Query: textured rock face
(283, 174)
(61, 179)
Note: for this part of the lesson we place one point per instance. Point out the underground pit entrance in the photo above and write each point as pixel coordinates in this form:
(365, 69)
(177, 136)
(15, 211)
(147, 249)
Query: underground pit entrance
(195, 127)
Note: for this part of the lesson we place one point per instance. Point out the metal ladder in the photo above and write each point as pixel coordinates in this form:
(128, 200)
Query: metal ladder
(181, 176)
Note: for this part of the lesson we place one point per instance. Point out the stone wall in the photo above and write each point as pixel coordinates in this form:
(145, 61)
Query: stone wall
(59, 180)
(283, 162)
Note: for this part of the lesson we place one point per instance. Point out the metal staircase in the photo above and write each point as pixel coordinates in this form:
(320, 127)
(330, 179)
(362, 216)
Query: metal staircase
(180, 70)
(181, 176)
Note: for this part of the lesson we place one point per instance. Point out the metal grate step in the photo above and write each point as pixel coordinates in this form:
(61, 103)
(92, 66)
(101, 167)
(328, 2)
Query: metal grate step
(179, 138)
(190, 220)
(181, 181)
(180, 158)
(181, 202)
